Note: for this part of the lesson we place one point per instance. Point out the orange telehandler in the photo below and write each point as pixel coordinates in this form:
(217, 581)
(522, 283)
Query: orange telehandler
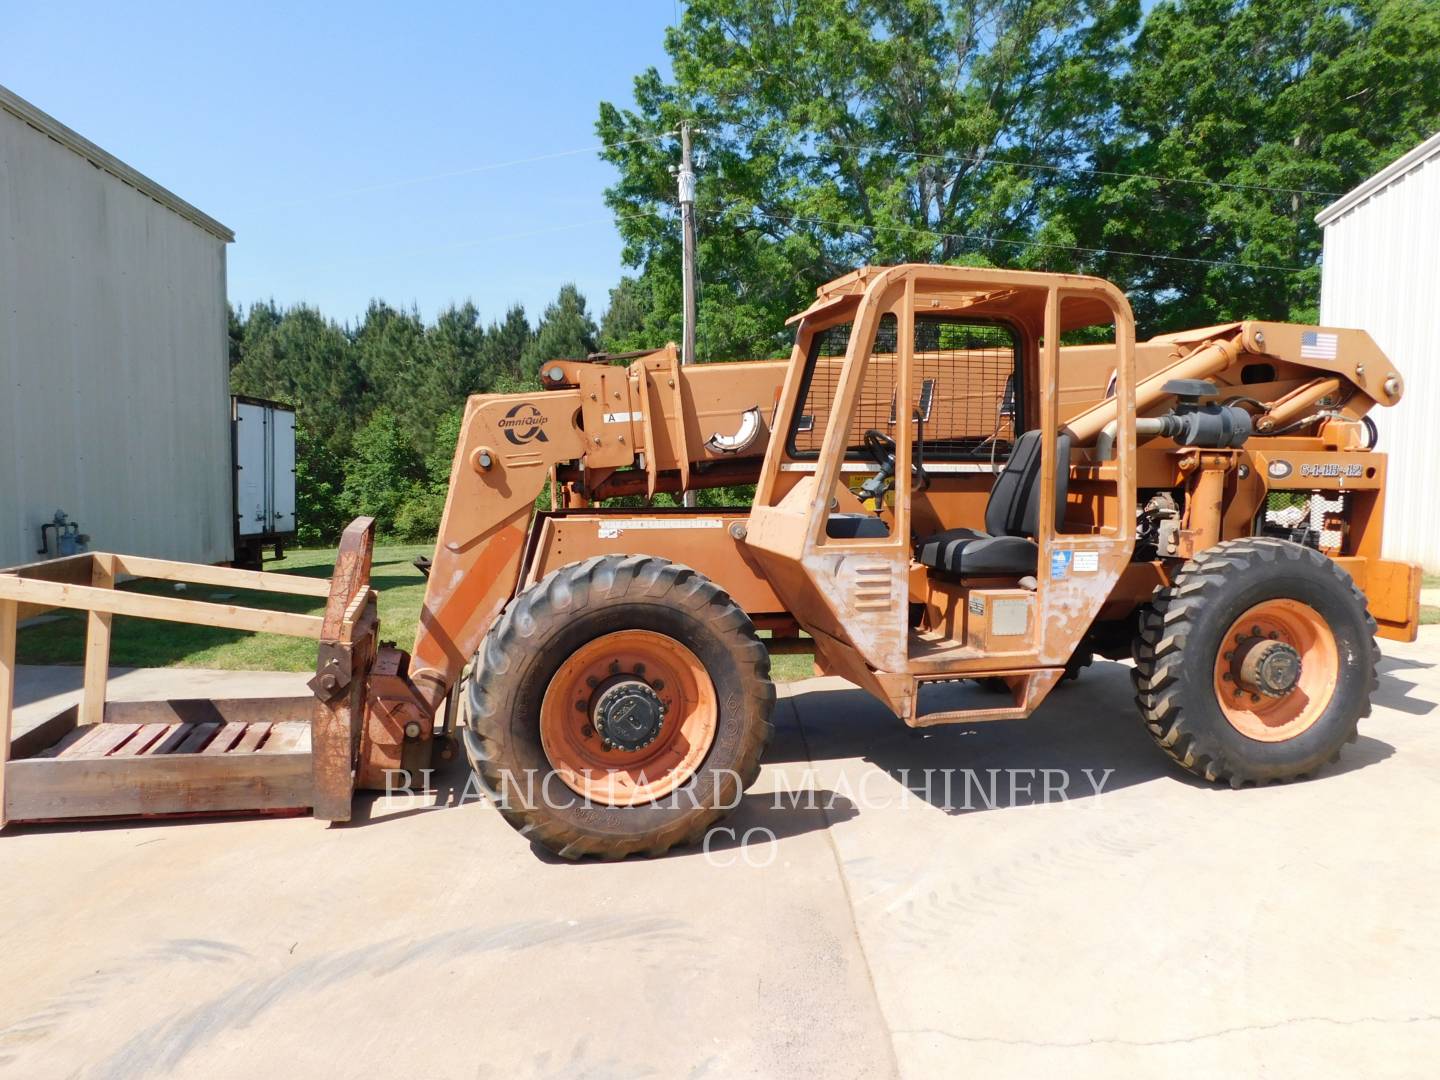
(960, 476)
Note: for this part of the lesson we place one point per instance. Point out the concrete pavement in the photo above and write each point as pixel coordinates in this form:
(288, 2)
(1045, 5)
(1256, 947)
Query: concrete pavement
(876, 923)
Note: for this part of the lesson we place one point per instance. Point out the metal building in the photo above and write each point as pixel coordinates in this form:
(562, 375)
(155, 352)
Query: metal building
(1381, 273)
(114, 364)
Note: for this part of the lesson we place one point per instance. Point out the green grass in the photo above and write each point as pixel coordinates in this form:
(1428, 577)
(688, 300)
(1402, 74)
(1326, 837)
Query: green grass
(148, 643)
(1429, 616)
(1430, 581)
(789, 668)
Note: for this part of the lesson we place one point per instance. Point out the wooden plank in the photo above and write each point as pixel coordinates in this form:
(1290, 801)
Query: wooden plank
(228, 737)
(165, 608)
(146, 736)
(225, 577)
(9, 613)
(285, 738)
(45, 734)
(84, 735)
(106, 739)
(97, 646)
(197, 738)
(72, 568)
(210, 710)
(251, 740)
(174, 735)
(60, 788)
(66, 741)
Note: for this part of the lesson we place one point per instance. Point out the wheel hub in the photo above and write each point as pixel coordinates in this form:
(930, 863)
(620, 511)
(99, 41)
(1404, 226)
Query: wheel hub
(1271, 668)
(628, 717)
(1277, 670)
(629, 714)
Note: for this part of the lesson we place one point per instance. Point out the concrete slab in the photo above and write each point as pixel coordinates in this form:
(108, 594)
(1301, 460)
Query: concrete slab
(1162, 927)
(431, 943)
(877, 927)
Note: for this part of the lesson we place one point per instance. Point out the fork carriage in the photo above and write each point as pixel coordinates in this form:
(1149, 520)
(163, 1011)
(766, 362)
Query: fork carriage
(191, 756)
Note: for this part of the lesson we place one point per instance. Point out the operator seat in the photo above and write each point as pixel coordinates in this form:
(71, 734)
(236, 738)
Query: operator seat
(1012, 518)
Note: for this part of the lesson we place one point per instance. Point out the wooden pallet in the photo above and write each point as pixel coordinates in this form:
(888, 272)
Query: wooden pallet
(182, 757)
(210, 737)
(162, 758)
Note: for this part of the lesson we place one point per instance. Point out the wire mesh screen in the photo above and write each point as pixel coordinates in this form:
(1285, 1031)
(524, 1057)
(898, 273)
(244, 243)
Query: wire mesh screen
(1308, 517)
(966, 388)
(971, 369)
(827, 354)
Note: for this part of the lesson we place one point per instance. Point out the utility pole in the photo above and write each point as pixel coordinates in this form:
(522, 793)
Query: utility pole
(687, 230)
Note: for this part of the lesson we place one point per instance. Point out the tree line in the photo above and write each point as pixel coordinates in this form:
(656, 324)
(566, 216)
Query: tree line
(378, 404)
(1180, 151)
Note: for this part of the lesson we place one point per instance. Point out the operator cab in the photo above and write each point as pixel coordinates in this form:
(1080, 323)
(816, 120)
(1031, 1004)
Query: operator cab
(921, 480)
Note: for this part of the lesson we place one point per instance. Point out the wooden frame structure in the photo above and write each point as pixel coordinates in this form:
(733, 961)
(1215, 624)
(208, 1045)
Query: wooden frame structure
(155, 758)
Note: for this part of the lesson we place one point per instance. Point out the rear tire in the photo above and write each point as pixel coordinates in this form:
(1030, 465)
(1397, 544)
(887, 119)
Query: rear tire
(1198, 704)
(545, 668)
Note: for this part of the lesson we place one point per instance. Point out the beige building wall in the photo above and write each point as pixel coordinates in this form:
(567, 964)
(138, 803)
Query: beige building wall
(113, 352)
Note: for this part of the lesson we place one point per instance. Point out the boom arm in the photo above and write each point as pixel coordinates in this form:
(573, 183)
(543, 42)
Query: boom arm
(652, 425)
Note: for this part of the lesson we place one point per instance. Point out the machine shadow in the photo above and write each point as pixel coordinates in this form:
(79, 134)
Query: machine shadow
(1087, 737)
(757, 821)
(1394, 692)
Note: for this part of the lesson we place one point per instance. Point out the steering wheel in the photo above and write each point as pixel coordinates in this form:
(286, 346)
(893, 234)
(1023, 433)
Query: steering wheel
(881, 447)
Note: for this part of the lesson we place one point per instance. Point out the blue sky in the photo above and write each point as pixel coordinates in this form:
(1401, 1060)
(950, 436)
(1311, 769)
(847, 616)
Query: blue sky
(271, 117)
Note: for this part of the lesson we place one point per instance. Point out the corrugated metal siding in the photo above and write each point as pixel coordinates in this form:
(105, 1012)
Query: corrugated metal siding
(113, 361)
(1382, 274)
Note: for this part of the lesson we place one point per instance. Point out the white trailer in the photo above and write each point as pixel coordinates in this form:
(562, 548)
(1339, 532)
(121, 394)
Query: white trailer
(264, 441)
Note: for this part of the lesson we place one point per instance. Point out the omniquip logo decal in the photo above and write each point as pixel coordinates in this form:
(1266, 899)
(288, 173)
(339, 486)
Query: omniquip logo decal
(524, 423)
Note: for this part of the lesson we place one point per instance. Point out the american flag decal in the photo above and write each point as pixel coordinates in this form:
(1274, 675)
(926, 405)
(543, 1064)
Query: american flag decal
(1317, 346)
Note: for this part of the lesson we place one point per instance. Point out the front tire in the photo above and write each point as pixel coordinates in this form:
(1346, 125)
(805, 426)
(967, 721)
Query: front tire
(1257, 663)
(620, 705)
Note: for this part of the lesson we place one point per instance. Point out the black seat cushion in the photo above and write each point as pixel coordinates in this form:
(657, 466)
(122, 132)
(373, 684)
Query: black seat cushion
(1012, 516)
(1014, 505)
(971, 553)
(856, 527)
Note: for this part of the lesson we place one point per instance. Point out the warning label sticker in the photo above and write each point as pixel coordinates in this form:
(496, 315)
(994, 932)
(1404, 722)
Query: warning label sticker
(1060, 560)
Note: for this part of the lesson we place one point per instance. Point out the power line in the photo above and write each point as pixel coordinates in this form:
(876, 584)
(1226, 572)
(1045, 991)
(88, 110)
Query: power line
(853, 228)
(856, 228)
(493, 166)
(984, 159)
